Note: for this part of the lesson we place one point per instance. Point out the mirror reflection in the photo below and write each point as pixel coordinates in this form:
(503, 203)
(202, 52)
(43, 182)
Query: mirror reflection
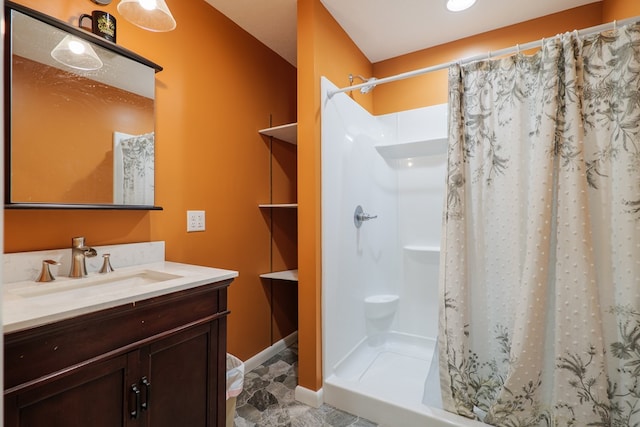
(82, 130)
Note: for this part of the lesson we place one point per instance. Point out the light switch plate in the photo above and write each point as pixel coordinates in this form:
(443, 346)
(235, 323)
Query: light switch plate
(195, 221)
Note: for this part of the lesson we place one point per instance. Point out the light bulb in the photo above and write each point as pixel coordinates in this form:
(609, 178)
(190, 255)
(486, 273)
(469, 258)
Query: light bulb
(76, 47)
(148, 4)
(459, 5)
(152, 15)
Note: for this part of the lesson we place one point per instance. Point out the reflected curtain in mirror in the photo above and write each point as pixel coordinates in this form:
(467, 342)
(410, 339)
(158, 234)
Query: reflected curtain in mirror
(133, 169)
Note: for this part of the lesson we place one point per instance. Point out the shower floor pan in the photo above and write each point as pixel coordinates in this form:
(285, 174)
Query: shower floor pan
(385, 383)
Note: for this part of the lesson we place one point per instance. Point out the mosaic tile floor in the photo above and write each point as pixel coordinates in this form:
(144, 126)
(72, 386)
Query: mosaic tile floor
(267, 399)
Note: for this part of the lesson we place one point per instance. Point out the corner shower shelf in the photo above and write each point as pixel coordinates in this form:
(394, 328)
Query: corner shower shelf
(422, 248)
(428, 255)
(407, 150)
(287, 133)
(287, 275)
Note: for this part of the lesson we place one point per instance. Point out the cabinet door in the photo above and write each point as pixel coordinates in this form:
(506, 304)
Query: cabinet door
(94, 395)
(182, 372)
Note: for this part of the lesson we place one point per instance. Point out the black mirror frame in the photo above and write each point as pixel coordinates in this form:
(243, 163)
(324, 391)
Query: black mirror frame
(78, 32)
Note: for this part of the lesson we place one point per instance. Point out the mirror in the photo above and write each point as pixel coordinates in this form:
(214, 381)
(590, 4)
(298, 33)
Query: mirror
(80, 129)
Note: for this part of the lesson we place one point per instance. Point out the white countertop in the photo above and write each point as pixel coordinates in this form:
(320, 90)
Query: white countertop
(29, 304)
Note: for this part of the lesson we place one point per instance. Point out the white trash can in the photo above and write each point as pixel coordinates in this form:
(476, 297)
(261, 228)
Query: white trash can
(235, 380)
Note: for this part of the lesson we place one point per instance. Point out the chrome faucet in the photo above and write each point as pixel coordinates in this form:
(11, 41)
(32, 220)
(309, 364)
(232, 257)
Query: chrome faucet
(79, 252)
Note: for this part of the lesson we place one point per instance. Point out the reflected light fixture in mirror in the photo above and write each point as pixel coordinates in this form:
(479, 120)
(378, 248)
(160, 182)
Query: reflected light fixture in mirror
(152, 15)
(76, 53)
(459, 5)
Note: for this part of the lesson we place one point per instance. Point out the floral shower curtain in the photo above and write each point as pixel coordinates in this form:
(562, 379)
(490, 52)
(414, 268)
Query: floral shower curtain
(540, 268)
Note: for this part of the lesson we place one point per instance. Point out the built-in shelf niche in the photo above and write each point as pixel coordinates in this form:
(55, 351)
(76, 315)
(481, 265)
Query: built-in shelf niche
(287, 133)
(408, 150)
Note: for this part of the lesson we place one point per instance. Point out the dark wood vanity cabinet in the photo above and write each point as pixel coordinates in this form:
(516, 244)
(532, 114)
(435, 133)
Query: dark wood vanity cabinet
(158, 362)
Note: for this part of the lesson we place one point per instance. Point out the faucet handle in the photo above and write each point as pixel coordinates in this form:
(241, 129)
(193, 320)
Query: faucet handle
(45, 274)
(106, 264)
(90, 252)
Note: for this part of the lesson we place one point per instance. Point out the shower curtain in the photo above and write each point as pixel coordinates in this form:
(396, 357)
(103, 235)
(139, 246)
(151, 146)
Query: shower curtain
(540, 267)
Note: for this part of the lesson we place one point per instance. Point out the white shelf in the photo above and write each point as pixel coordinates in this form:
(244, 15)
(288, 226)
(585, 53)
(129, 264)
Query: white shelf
(287, 275)
(287, 133)
(407, 150)
(421, 248)
(428, 255)
(278, 205)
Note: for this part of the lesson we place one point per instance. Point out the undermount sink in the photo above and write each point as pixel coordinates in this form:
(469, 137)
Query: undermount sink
(130, 279)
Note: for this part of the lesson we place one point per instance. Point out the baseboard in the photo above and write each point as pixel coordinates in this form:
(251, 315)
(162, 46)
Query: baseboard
(302, 395)
(266, 354)
(309, 397)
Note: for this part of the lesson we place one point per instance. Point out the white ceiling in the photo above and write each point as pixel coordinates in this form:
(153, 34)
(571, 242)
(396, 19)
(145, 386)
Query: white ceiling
(384, 29)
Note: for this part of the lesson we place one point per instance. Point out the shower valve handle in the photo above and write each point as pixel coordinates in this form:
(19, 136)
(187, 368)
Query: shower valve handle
(366, 217)
(359, 216)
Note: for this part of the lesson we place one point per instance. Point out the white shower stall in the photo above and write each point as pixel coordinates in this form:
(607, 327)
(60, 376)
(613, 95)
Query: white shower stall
(394, 167)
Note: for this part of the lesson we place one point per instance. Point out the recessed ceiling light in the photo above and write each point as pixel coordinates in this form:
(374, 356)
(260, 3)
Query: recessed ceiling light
(459, 5)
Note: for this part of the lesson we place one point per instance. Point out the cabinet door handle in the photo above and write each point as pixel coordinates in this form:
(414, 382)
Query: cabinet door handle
(136, 409)
(147, 394)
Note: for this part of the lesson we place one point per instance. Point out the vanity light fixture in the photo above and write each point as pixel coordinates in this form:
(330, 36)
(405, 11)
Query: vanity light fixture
(152, 15)
(76, 53)
(459, 5)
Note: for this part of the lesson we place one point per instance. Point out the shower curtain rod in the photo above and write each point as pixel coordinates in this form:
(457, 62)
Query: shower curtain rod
(506, 51)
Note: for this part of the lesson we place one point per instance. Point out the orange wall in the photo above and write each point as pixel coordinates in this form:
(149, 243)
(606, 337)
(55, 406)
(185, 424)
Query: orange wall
(620, 9)
(218, 87)
(324, 49)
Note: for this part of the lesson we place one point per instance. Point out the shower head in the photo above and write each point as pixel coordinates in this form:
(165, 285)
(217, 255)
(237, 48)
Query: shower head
(363, 89)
